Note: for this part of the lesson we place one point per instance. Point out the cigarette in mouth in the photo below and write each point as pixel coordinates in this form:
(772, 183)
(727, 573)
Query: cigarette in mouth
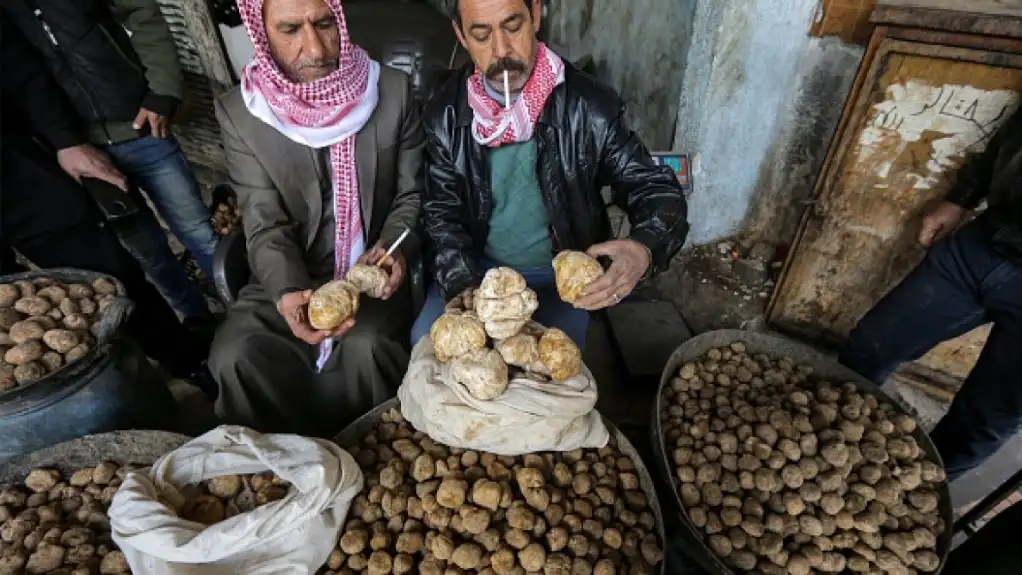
(507, 93)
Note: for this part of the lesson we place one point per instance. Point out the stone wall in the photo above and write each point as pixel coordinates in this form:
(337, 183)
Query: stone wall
(759, 103)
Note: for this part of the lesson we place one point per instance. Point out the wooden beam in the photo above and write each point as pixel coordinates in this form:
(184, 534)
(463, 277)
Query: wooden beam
(1011, 8)
(949, 21)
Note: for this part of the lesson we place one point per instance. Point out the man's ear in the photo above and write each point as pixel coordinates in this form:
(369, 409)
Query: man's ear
(459, 34)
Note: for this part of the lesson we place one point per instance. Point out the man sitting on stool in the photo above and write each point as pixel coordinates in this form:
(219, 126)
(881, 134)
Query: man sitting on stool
(511, 183)
(324, 149)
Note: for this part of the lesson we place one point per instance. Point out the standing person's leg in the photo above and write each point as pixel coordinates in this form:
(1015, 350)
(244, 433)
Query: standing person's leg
(939, 300)
(159, 166)
(987, 410)
(143, 236)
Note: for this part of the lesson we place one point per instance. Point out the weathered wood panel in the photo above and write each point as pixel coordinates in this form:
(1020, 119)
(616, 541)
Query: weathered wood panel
(962, 20)
(1011, 8)
(921, 110)
(848, 19)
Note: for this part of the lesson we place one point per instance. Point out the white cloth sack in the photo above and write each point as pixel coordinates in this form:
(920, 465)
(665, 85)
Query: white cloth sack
(529, 417)
(294, 535)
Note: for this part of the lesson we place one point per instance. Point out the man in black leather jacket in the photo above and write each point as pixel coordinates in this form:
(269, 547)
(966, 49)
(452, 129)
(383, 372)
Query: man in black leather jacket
(970, 277)
(519, 147)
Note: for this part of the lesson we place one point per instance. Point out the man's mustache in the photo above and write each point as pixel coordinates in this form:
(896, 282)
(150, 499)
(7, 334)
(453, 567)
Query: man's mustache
(323, 63)
(497, 68)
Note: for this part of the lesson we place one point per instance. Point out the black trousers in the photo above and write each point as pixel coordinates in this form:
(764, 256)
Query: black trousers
(50, 219)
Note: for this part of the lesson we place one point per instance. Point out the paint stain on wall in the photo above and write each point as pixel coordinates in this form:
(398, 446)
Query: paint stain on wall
(938, 125)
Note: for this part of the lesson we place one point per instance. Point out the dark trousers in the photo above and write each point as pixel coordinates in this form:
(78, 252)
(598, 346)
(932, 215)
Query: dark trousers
(48, 218)
(963, 283)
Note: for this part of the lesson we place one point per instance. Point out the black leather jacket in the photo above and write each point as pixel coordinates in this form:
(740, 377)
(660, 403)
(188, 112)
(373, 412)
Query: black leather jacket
(996, 176)
(583, 144)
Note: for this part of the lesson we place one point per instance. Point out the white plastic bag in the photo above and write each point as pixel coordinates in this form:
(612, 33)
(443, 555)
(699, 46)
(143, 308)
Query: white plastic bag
(529, 417)
(294, 535)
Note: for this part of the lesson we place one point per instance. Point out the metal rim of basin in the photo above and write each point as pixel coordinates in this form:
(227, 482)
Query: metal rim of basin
(823, 368)
(142, 447)
(351, 435)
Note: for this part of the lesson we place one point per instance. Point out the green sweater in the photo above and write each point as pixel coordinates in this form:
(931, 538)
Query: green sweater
(519, 236)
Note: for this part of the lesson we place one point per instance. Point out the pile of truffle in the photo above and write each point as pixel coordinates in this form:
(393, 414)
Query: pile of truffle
(225, 496)
(501, 310)
(61, 527)
(226, 217)
(46, 324)
(431, 509)
(788, 474)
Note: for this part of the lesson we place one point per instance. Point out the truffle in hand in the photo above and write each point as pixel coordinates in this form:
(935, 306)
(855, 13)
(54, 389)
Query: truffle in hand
(333, 304)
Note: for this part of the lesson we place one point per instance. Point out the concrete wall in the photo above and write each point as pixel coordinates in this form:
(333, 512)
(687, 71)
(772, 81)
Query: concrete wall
(639, 47)
(759, 103)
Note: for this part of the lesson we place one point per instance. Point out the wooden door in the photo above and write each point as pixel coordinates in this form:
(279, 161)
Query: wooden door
(919, 110)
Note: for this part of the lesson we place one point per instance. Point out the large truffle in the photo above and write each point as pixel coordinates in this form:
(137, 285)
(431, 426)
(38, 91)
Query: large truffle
(454, 334)
(333, 304)
(500, 283)
(483, 372)
(517, 307)
(522, 351)
(573, 271)
(368, 279)
(560, 355)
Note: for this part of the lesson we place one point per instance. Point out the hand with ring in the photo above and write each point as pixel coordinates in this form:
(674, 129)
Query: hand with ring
(629, 261)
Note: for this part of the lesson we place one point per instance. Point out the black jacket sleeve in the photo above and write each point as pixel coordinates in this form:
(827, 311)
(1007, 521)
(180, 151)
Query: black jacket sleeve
(31, 93)
(972, 183)
(444, 219)
(650, 194)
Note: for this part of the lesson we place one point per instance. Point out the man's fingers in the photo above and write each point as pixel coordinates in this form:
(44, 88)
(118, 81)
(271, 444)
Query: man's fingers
(602, 249)
(160, 124)
(605, 281)
(305, 333)
(140, 119)
(927, 234)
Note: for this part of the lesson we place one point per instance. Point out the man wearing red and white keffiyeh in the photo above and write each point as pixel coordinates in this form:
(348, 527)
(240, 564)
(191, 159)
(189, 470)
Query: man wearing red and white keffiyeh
(519, 147)
(324, 148)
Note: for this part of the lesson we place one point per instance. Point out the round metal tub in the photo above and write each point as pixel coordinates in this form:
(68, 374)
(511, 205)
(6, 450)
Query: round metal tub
(352, 434)
(139, 447)
(692, 540)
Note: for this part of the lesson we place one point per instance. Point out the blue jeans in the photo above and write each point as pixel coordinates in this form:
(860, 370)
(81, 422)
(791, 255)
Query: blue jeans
(158, 166)
(963, 283)
(552, 312)
(145, 239)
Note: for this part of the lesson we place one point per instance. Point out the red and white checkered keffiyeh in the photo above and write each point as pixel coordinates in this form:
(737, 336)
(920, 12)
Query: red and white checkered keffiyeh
(492, 125)
(317, 113)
